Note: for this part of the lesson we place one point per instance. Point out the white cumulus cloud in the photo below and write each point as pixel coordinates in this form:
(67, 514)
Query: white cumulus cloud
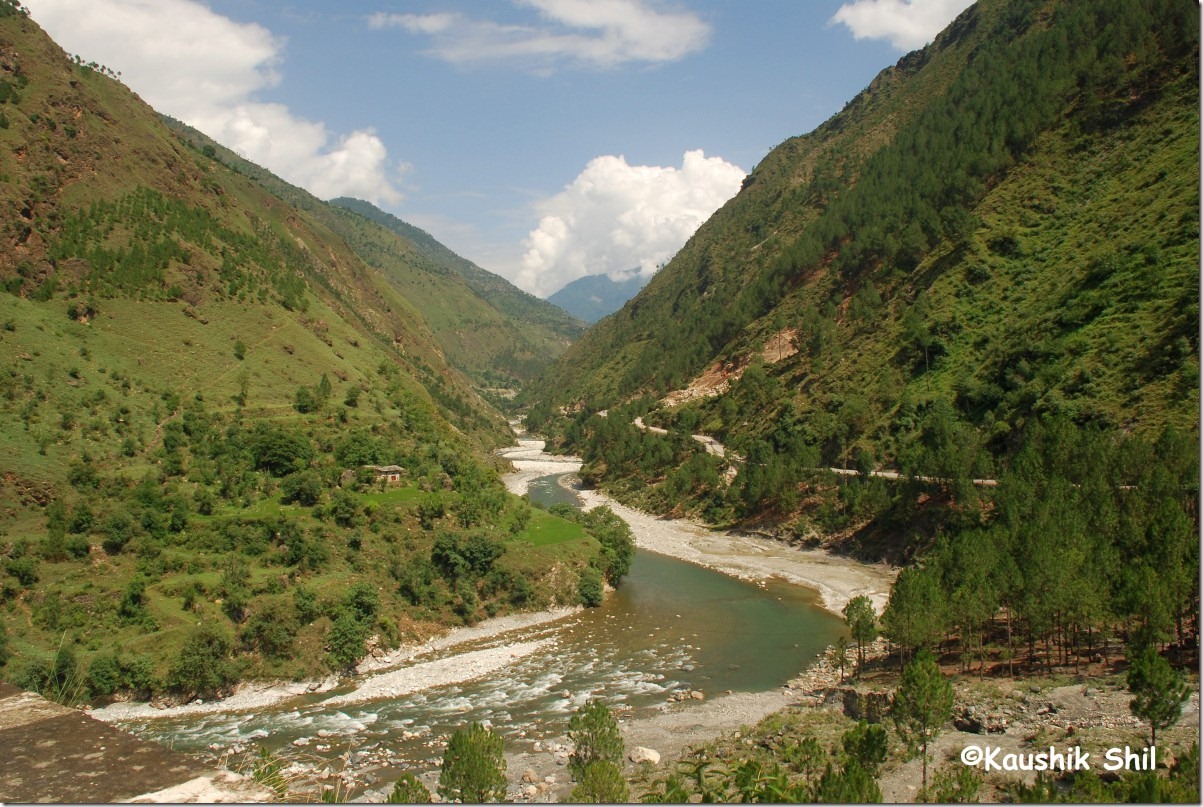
(907, 24)
(205, 69)
(621, 219)
(594, 33)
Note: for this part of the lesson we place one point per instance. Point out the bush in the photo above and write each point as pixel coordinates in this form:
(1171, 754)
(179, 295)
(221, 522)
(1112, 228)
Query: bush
(590, 588)
(272, 629)
(601, 783)
(78, 547)
(408, 790)
(347, 640)
(363, 602)
(24, 569)
(104, 675)
(118, 529)
(203, 664)
(344, 508)
(302, 487)
(473, 766)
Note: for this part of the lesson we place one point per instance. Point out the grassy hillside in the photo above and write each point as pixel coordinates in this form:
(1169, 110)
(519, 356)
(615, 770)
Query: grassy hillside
(194, 375)
(493, 332)
(503, 295)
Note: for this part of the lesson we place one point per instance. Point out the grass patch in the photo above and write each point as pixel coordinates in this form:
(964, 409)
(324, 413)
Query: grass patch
(547, 530)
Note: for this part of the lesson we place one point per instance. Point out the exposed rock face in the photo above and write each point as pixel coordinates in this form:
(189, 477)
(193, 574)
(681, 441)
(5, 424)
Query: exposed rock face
(870, 706)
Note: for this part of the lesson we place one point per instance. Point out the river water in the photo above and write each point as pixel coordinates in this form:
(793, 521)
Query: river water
(672, 627)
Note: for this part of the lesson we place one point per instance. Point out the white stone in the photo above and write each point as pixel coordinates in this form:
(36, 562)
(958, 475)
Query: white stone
(640, 754)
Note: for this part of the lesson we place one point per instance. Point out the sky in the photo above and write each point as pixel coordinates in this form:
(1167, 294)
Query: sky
(544, 140)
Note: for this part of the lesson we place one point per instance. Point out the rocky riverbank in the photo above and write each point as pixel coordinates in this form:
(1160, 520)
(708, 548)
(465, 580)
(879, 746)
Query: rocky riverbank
(748, 557)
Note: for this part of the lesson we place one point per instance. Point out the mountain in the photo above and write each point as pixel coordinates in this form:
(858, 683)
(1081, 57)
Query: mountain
(199, 367)
(495, 333)
(505, 296)
(593, 297)
(1004, 222)
(956, 329)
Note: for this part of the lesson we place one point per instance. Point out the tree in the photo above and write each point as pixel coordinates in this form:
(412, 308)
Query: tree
(473, 766)
(347, 639)
(303, 488)
(914, 615)
(867, 744)
(601, 783)
(862, 621)
(594, 732)
(1159, 691)
(922, 705)
(837, 655)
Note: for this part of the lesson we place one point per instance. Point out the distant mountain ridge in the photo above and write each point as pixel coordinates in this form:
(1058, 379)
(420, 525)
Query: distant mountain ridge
(593, 297)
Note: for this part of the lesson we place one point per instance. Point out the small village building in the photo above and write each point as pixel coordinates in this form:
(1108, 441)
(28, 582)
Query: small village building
(390, 474)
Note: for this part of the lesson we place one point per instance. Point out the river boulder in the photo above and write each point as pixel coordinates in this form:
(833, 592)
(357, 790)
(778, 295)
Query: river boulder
(640, 754)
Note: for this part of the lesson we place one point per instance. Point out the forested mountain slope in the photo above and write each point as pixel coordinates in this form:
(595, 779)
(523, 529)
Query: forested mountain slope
(196, 376)
(982, 274)
(1005, 222)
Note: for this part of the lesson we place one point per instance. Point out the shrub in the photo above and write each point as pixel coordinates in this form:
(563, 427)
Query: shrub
(590, 588)
(203, 664)
(473, 766)
(24, 569)
(272, 628)
(347, 639)
(601, 783)
(118, 528)
(104, 675)
(408, 790)
(303, 487)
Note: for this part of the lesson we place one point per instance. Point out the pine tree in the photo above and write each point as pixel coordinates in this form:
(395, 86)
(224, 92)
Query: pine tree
(408, 790)
(473, 766)
(862, 621)
(601, 783)
(922, 705)
(1159, 691)
(594, 732)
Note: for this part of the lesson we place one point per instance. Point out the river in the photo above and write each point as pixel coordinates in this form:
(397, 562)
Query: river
(673, 631)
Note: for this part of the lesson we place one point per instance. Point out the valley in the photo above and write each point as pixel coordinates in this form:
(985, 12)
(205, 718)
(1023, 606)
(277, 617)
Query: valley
(897, 456)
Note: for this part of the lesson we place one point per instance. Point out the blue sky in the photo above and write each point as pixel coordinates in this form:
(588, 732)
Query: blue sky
(543, 139)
